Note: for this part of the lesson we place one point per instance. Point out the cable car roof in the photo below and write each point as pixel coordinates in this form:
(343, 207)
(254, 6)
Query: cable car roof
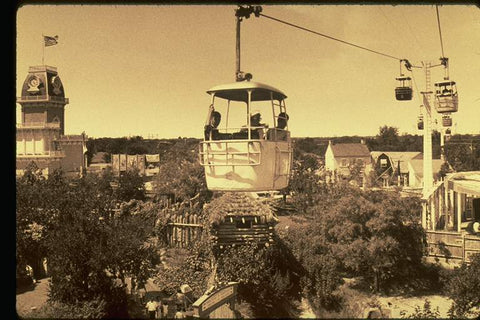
(237, 91)
(444, 83)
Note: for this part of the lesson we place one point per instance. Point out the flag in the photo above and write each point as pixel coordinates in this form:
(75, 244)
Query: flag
(50, 41)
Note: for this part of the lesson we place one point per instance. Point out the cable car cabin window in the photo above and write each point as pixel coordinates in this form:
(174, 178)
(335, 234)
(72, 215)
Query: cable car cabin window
(445, 89)
(235, 120)
(243, 224)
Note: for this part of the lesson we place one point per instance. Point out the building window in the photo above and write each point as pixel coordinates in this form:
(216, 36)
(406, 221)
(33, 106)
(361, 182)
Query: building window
(344, 162)
(469, 208)
(383, 163)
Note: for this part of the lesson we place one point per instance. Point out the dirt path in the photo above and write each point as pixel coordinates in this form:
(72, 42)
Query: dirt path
(33, 299)
(306, 311)
(408, 304)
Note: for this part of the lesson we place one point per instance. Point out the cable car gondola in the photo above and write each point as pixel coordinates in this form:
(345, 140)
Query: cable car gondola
(446, 121)
(243, 154)
(404, 90)
(420, 122)
(446, 97)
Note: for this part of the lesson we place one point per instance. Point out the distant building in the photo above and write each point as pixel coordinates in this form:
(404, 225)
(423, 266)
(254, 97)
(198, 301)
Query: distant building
(146, 164)
(40, 136)
(392, 166)
(98, 163)
(415, 171)
(343, 157)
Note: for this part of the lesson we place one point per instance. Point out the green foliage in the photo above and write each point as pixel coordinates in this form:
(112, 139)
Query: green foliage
(320, 276)
(423, 313)
(73, 223)
(194, 269)
(378, 238)
(181, 181)
(36, 210)
(54, 310)
(130, 186)
(373, 234)
(269, 276)
(304, 184)
(463, 288)
(463, 153)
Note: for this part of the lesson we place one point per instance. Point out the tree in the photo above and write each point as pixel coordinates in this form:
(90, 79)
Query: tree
(463, 156)
(89, 247)
(373, 234)
(35, 215)
(181, 181)
(268, 276)
(387, 137)
(463, 288)
(130, 186)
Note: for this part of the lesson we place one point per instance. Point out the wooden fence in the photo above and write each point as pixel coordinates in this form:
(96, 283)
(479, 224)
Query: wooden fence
(452, 245)
(183, 229)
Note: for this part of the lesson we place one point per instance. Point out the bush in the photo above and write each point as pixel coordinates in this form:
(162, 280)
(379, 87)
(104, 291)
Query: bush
(319, 268)
(322, 281)
(192, 268)
(423, 313)
(55, 310)
(269, 276)
(464, 289)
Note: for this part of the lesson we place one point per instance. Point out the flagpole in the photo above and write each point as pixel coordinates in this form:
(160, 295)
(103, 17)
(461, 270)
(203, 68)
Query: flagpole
(43, 50)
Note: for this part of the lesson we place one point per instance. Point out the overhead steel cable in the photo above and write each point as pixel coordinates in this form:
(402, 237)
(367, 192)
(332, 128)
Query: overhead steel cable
(329, 37)
(439, 30)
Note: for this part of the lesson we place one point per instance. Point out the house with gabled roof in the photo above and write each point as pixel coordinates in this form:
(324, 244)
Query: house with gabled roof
(402, 168)
(342, 158)
(392, 166)
(415, 170)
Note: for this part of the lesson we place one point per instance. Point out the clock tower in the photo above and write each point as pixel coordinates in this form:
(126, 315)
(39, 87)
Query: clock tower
(41, 132)
(43, 98)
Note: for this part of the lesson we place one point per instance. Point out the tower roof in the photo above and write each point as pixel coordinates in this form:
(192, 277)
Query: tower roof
(42, 84)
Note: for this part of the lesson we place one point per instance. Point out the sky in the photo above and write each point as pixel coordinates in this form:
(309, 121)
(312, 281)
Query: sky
(144, 70)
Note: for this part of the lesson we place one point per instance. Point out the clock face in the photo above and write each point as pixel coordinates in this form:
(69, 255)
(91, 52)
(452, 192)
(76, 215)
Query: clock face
(33, 83)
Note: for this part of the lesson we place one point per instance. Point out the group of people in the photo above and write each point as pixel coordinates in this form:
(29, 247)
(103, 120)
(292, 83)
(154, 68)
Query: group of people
(157, 310)
(257, 128)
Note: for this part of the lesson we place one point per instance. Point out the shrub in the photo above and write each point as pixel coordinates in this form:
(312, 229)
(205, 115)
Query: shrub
(464, 289)
(423, 313)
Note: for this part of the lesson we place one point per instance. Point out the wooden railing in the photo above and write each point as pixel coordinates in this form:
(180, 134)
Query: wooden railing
(452, 245)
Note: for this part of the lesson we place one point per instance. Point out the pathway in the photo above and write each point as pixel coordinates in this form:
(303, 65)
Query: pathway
(306, 311)
(33, 299)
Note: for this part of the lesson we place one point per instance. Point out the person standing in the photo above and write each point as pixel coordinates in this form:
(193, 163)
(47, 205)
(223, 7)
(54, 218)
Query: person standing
(180, 299)
(164, 309)
(180, 313)
(151, 307)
